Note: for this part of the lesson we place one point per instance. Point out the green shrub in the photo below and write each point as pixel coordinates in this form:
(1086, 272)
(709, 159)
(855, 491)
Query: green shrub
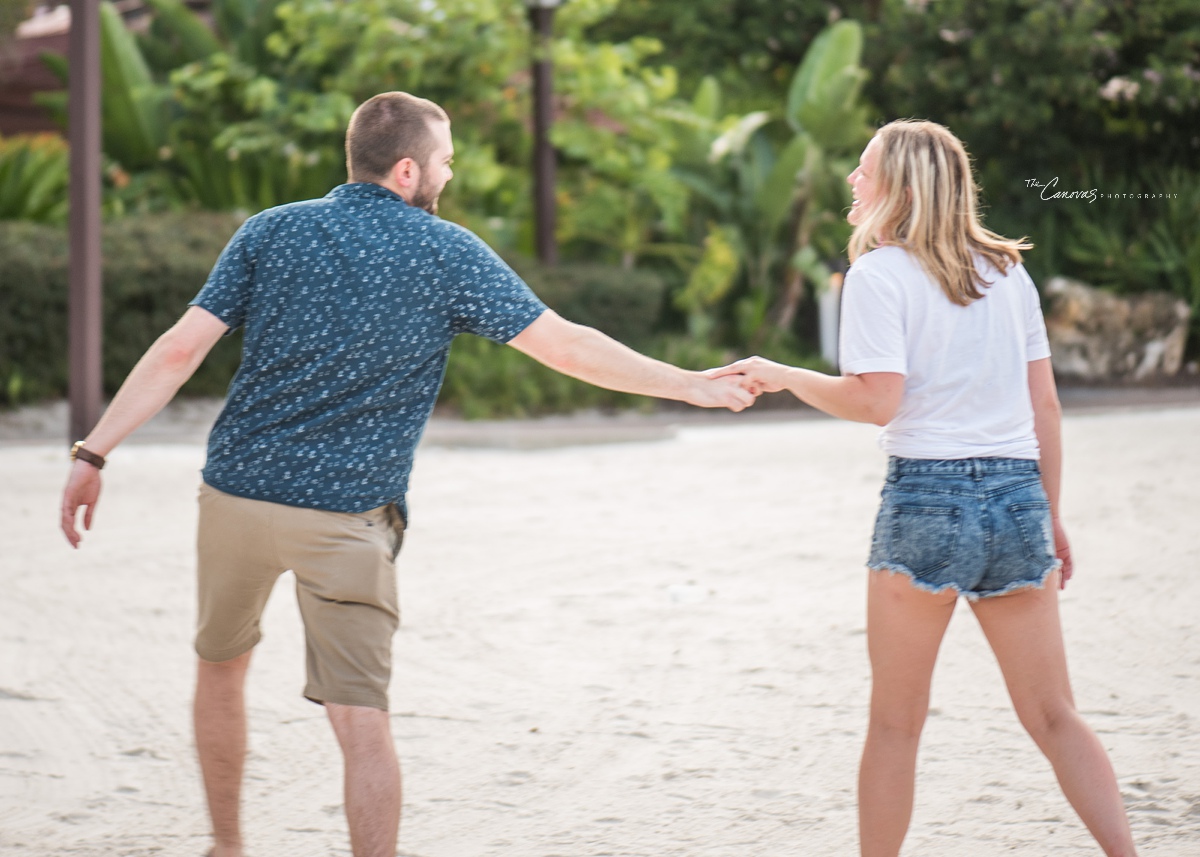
(1144, 239)
(625, 304)
(152, 268)
(486, 380)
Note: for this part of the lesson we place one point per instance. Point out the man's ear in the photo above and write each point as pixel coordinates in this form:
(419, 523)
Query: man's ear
(406, 173)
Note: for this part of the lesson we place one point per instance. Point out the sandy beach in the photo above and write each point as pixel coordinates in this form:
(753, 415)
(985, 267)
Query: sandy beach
(640, 649)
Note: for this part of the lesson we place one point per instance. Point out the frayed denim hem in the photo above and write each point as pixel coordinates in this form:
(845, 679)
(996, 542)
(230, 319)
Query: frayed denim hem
(1018, 585)
(1015, 586)
(898, 568)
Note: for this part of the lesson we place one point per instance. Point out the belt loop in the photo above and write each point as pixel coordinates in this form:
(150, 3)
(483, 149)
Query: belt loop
(977, 469)
(893, 471)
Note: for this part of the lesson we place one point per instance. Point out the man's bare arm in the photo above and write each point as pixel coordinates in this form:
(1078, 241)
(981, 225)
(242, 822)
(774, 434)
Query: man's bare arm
(591, 356)
(154, 381)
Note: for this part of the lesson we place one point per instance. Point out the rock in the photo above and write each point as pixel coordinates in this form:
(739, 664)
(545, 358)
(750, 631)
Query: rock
(1098, 336)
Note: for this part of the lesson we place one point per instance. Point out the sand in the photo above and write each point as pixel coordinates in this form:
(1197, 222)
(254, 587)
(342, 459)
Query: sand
(651, 648)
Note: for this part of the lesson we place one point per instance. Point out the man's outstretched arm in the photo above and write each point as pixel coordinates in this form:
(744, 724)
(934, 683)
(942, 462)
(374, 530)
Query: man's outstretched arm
(589, 355)
(154, 381)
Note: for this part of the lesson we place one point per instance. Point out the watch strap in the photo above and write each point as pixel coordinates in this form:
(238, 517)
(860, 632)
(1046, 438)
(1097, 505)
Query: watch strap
(80, 453)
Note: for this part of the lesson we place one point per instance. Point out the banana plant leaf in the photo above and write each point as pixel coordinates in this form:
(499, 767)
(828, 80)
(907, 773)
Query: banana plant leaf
(190, 39)
(736, 138)
(33, 179)
(132, 106)
(822, 99)
(775, 197)
(707, 101)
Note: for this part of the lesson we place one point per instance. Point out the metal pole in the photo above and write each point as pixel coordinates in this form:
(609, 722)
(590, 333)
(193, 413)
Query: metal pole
(544, 161)
(84, 305)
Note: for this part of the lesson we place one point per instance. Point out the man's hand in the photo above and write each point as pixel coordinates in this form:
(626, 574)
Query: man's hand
(83, 489)
(1062, 548)
(731, 391)
(758, 374)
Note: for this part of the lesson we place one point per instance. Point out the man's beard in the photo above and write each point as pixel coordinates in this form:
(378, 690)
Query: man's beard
(425, 197)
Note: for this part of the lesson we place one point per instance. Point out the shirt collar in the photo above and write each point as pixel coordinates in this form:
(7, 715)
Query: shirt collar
(364, 190)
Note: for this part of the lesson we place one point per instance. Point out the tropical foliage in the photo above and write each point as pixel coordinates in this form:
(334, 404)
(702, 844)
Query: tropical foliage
(33, 179)
(701, 144)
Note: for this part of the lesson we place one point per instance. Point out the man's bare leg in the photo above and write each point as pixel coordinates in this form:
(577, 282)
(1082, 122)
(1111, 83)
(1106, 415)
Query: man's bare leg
(372, 778)
(220, 720)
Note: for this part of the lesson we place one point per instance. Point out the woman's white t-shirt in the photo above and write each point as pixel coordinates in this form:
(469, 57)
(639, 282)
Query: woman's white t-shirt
(966, 387)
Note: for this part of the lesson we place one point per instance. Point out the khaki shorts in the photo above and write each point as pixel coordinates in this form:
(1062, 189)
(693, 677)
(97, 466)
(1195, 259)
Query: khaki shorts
(345, 583)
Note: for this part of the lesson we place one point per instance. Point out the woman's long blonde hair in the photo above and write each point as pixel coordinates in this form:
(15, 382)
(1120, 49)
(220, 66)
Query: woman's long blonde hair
(926, 204)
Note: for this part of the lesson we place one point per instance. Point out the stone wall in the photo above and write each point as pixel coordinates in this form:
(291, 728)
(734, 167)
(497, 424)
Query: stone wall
(1098, 336)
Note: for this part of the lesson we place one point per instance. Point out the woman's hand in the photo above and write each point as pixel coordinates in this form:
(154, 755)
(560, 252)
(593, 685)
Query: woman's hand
(1062, 549)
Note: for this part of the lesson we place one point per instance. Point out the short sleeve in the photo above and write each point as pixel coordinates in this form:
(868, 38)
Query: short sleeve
(1037, 344)
(872, 325)
(226, 294)
(488, 298)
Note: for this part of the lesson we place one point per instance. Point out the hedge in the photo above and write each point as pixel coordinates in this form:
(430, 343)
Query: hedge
(625, 304)
(486, 380)
(152, 268)
(154, 265)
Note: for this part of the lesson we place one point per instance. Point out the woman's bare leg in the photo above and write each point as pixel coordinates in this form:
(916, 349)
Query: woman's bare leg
(1023, 630)
(905, 626)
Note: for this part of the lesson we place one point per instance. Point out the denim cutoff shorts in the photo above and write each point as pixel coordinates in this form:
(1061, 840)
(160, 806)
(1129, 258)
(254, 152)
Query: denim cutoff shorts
(978, 526)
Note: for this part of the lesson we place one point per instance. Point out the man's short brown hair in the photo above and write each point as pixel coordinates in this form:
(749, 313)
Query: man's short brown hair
(388, 128)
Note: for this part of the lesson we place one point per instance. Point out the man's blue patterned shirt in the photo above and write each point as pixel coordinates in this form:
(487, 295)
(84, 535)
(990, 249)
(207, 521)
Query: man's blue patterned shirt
(349, 304)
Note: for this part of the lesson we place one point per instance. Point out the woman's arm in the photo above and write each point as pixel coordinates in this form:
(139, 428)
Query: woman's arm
(1047, 425)
(873, 397)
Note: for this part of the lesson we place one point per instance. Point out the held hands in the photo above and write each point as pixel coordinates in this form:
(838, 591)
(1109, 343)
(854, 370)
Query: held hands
(83, 489)
(737, 385)
(758, 374)
(730, 391)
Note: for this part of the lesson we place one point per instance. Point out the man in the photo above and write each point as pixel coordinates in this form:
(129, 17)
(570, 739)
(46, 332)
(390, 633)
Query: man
(349, 305)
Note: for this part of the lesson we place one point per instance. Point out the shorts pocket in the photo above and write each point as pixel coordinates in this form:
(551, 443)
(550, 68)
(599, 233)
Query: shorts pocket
(924, 538)
(384, 527)
(1037, 531)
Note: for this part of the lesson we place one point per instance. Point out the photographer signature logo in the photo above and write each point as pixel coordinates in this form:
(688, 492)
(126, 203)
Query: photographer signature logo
(1046, 190)
(1049, 191)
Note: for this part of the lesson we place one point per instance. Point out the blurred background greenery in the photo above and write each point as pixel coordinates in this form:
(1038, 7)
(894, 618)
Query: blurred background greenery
(703, 146)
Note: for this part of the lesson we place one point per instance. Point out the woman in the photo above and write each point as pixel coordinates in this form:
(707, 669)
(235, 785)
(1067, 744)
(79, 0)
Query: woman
(943, 343)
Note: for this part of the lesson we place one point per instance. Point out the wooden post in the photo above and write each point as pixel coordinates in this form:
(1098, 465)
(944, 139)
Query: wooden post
(85, 305)
(541, 18)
